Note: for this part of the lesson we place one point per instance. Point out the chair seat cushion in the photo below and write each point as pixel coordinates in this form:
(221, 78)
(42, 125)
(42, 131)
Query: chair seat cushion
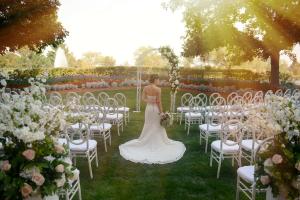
(183, 109)
(210, 127)
(114, 116)
(123, 109)
(83, 145)
(247, 144)
(226, 147)
(78, 147)
(100, 127)
(246, 173)
(192, 115)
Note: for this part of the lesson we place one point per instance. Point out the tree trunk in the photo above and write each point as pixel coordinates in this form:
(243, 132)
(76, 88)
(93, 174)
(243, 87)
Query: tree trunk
(275, 70)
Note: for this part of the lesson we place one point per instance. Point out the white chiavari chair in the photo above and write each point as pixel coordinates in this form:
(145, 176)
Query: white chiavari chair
(122, 106)
(228, 146)
(113, 115)
(196, 114)
(246, 182)
(184, 105)
(100, 128)
(80, 145)
(211, 99)
(56, 101)
(213, 124)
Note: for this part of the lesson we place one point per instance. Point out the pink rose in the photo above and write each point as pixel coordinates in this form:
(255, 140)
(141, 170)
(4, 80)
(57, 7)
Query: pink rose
(59, 149)
(60, 168)
(277, 159)
(265, 180)
(29, 154)
(38, 179)
(26, 190)
(5, 166)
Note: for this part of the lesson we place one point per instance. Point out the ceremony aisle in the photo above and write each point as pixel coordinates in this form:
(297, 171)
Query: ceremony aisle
(189, 178)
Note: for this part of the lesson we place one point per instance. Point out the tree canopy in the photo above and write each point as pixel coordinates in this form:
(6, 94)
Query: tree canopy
(31, 23)
(248, 28)
(148, 57)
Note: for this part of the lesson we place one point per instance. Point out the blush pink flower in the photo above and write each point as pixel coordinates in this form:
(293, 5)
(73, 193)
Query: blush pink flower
(26, 190)
(5, 166)
(60, 168)
(38, 179)
(29, 154)
(277, 159)
(59, 149)
(265, 180)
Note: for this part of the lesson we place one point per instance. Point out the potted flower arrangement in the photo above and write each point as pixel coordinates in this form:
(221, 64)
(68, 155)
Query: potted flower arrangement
(32, 164)
(278, 165)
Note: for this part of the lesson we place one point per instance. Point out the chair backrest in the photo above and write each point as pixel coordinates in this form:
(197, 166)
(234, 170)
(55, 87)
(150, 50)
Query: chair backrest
(70, 96)
(111, 106)
(233, 131)
(185, 99)
(78, 136)
(196, 104)
(56, 94)
(295, 91)
(213, 96)
(93, 105)
(121, 99)
(247, 98)
(86, 96)
(279, 92)
(102, 98)
(264, 145)
(287, 93)
(269, 93)
(235, 109)
(203, 97)
(231, 96)
(55, 100)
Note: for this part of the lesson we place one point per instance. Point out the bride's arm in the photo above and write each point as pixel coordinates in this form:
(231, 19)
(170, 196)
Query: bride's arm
(159, 102)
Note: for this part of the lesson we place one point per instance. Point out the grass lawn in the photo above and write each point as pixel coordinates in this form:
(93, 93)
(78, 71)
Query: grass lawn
(189, 178)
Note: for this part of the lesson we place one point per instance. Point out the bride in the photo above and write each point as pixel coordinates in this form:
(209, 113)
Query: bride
(153, 146)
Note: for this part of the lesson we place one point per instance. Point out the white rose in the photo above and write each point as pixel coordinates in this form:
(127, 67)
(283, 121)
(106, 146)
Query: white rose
(3, 82)
(60, 182)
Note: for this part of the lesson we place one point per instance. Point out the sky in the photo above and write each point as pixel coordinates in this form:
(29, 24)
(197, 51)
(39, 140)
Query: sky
(119, 27)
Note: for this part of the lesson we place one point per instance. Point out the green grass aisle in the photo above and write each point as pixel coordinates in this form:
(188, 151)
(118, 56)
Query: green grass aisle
(189, 178)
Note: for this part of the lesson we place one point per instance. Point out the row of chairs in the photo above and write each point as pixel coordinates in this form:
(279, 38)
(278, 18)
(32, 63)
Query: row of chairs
(81, 136)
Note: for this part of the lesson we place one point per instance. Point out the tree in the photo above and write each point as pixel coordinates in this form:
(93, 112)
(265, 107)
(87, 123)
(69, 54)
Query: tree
(247, 28)
(31, 23)
(108, 61)
(24, 58)
(148, 57)
(91, 59)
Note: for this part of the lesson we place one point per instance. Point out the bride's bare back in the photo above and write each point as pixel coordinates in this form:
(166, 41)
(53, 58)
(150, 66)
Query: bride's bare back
(152, 90)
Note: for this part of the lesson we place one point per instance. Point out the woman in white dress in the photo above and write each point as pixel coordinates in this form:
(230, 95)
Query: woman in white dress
(153, 146)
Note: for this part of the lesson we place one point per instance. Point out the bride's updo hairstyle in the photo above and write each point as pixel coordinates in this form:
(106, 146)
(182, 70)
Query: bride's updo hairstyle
(153, 77)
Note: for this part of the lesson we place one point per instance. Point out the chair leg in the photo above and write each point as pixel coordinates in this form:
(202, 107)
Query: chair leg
(105, 147)
(206, 142)
(96, 153)
(219, 166)
(79, 190)
(90, 165)
(200, 140)
(211, 157)
(253, 191)
(118, 128)
(237, 196)
(180, 118)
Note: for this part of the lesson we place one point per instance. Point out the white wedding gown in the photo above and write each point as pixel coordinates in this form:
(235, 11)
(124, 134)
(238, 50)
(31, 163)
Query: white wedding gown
(153, 146)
